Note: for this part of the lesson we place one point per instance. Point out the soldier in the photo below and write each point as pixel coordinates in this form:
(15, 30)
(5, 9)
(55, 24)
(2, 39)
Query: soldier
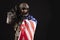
(22, 12)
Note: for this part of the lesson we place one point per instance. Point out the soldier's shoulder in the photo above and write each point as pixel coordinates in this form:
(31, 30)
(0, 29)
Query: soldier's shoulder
(32, 18)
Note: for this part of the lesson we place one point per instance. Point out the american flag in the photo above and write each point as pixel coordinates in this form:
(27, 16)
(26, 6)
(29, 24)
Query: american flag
(27, 30)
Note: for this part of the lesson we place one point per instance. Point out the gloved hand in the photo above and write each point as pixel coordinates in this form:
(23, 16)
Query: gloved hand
(11, 15)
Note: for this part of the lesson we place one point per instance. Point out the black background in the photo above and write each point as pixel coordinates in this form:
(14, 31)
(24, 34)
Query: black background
(40, 9)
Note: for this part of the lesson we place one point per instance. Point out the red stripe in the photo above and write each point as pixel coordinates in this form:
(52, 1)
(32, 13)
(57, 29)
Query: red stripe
(23, 34)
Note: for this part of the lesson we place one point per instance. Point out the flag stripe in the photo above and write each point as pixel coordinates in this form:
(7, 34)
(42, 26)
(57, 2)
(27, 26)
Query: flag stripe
(21, 36)
(27, 27)
(25, 35)
(30, 27)
(32, 24)
(28, 35)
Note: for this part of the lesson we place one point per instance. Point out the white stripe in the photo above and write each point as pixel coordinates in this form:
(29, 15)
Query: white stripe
(34, 27)
(27, 33)
(34, 24)
(30, 27)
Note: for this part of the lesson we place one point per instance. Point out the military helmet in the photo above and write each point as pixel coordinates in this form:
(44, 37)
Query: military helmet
(23, 6)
